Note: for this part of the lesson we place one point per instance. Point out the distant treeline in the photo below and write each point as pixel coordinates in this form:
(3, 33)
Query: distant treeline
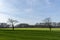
(25, 25)
(47, 23)
(38, 25)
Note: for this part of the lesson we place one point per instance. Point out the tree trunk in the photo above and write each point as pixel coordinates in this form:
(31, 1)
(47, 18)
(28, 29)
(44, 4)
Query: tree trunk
(12, 26)
(50, 27)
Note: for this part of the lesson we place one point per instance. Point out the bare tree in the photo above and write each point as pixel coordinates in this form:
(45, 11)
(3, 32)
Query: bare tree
(48, 22)
(12, 22)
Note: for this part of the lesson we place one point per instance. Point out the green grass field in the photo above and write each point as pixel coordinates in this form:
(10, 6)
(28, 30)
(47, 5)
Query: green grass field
(29, 34)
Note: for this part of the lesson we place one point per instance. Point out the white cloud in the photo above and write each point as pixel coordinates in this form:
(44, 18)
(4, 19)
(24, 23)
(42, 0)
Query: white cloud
(10, 8)
(3, 17)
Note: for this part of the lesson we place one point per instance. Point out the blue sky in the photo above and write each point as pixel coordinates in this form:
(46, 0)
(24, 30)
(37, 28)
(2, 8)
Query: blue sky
(29, 11)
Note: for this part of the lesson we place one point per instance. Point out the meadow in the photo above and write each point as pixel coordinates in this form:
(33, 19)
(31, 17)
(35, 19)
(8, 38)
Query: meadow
(29, 34)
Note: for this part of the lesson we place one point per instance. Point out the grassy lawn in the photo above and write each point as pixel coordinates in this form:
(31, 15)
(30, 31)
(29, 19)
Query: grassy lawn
(53, 29)
(29, 34)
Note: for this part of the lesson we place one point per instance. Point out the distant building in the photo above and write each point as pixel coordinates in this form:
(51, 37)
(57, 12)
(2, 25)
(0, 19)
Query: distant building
(22, 25)
(3, 25)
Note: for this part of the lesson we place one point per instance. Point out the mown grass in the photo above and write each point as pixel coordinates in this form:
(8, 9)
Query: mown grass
(31, 34)
(45, 29)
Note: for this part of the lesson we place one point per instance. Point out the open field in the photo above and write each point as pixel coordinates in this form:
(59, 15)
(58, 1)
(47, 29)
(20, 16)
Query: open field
(45, 29)
(29, 34)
